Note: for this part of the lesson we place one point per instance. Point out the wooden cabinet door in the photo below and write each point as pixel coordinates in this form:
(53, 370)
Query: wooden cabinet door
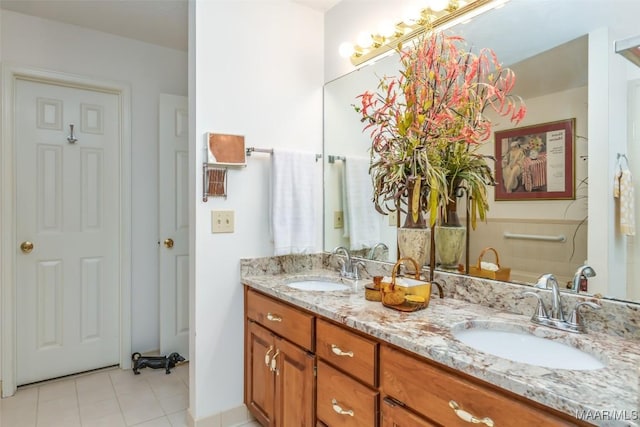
(295, 386)
(259, 384)
(394, 415)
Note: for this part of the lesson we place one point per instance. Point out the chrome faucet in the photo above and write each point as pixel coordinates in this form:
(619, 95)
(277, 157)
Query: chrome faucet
(582, 272)
(556, 301)
(372, 252)
(556, 318)
(348, 268)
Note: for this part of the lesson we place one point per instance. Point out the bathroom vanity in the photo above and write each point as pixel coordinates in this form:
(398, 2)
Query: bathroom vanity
(333, 358)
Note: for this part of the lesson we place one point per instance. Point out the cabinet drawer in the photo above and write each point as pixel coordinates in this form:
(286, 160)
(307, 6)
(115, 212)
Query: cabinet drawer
(429, 390)
(282, 319)
(337, 392)
(347, 351)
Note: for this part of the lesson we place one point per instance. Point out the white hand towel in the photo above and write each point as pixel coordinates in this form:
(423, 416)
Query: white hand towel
(623, 191)
(363, 220)
(293, 214)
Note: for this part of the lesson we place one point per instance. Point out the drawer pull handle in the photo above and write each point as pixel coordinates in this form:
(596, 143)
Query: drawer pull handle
(273, 361)
(465, 416)
(338, 352)
(339, 409)
(266, 356)
(274, 317)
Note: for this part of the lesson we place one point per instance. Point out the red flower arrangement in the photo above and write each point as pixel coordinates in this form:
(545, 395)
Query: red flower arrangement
(427, 124)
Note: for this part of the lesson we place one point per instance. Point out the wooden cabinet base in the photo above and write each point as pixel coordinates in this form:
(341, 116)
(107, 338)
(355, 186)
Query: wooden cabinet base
(353, 371)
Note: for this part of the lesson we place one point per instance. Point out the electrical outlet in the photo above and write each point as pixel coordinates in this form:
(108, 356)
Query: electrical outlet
(222, 221)
(338, 219)
(393, 219)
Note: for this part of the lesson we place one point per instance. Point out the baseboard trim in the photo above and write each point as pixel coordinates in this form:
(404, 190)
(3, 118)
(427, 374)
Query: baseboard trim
(229, 418)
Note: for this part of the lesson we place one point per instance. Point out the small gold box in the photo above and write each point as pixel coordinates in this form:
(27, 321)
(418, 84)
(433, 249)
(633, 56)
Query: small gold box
(412, 286)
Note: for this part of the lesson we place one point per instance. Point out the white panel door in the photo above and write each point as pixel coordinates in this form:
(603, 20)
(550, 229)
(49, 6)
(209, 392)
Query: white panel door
(174, 225)
(67, 202)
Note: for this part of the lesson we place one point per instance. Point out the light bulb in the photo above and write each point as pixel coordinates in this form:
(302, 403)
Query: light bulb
(346, 50)
(438, 5)
(364, 40)
(386, 29)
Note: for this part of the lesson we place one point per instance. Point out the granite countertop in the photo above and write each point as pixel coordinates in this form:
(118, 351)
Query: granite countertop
(608, 396)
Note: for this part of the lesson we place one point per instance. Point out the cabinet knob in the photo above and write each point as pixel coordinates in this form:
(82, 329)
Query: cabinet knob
(465, 416)
(338, 352)
(339, 409)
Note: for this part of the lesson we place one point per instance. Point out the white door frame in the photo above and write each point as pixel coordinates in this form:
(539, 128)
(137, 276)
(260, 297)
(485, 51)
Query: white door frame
(10, 74)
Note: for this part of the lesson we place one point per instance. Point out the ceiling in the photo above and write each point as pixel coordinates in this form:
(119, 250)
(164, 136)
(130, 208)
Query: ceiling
(160, 22)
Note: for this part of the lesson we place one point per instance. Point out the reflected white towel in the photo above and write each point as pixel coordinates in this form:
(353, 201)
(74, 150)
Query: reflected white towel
(361, 218)
(293, 214)
(345, 203)
(623, 190)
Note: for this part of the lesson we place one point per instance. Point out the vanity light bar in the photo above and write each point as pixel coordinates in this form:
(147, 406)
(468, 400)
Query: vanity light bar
(405, 33)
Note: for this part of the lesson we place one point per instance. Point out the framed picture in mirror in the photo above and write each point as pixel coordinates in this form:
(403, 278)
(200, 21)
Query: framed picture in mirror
(536, 162)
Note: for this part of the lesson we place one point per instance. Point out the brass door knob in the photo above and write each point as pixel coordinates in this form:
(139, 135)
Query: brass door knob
(26, 247)
(168, 243)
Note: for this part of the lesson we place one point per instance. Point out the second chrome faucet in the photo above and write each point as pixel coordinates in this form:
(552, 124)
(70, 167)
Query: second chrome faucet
(556, 317)
(348, 268)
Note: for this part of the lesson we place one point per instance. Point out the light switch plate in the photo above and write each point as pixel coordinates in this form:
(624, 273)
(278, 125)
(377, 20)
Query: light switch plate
(222, 221)
(338, 219)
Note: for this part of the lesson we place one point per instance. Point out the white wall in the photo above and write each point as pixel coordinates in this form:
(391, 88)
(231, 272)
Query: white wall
(258, 72)
(149, 70)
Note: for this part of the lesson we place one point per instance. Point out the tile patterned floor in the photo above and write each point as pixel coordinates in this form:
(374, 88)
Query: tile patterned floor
(109, 398)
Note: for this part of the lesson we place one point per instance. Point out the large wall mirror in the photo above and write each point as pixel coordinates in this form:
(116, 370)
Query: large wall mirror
(548, 45)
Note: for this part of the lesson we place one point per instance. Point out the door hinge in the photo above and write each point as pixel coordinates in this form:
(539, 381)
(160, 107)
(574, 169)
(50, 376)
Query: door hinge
(315, 370)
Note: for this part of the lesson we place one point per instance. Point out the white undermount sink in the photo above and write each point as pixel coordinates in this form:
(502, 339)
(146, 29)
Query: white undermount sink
(318, 285)
(507, 342)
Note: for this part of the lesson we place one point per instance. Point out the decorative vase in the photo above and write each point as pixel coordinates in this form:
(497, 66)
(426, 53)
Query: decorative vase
(533, 154)
(450, 242)
(450, 238)
(414, 243)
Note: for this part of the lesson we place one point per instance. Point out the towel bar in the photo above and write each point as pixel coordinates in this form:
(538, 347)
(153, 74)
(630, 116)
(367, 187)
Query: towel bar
(332, 159)
(558, 238)
(269, 151)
